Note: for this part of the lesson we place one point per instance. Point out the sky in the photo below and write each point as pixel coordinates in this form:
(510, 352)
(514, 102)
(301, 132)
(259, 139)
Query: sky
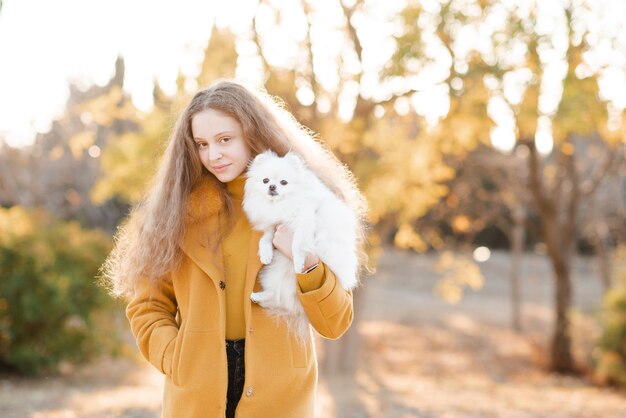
(45, 45)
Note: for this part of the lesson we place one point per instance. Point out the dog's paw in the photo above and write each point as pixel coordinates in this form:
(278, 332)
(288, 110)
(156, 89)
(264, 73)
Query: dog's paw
(260, 297)
(255, 297)
(266, 254)
(298, 263)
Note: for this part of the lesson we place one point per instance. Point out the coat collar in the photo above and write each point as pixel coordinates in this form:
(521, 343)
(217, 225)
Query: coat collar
(202, 228)
(205, 201)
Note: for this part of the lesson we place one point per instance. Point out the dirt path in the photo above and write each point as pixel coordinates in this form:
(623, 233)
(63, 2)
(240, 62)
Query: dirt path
(419, 357)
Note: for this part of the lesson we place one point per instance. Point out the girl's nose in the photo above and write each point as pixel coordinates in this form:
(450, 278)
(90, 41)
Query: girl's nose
(215, 154)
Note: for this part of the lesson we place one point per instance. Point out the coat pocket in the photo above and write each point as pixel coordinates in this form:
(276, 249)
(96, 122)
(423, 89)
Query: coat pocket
(300, 352)
(199, 359)
(176, 355)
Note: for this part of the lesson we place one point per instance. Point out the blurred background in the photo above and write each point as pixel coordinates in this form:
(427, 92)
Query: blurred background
(488, 137)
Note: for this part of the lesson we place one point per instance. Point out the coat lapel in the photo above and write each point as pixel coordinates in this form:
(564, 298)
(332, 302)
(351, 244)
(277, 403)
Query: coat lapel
(254, 263)
(202, 227)
(196, 245)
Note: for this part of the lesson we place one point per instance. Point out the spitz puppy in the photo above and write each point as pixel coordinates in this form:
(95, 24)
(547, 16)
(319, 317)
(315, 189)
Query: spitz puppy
(283, 190)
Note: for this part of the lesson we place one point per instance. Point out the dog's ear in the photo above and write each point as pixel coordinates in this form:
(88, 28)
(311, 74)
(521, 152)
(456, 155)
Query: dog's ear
(264, 156)
(295, 160)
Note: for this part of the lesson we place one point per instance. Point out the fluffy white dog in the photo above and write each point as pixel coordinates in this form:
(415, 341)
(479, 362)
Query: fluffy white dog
(282, 190)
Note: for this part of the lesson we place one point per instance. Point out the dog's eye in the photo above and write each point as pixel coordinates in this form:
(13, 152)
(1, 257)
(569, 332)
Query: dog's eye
(266, 181)
(283, 182)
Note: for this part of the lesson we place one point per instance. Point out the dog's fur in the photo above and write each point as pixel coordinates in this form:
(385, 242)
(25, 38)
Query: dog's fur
(282, 190)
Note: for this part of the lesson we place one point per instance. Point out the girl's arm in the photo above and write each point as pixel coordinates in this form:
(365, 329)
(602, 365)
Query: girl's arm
(329, 306)
(152, 316)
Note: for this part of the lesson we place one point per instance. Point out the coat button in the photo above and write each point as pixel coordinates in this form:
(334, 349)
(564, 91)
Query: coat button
(249, 391)
(222, 285)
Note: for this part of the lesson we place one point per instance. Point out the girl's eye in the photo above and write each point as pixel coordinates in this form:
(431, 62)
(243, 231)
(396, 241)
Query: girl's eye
(201, 144)
(283, 182)
(225, 139)
(266, 181)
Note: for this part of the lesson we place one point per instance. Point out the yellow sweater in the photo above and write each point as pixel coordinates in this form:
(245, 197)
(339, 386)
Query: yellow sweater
(235, 246)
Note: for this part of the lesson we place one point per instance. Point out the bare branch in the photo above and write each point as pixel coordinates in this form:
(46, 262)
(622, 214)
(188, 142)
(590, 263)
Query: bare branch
(257, 40)
(534, 181)
(610, 162)
(309, 48)
(348, 12)
(569, 224)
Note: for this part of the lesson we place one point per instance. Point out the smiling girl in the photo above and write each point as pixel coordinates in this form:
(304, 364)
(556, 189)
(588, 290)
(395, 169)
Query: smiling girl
(187, 260)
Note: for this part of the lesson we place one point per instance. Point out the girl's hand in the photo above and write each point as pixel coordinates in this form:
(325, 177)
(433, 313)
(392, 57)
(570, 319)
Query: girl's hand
(283, 239)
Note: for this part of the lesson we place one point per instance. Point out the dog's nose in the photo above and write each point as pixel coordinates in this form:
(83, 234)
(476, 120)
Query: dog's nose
(272, 187)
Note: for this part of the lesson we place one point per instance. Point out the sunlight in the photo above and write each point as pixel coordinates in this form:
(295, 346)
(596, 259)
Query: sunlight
(543, 137)
(544, 142)
(502, 139)
(481, 254)
(32, 98)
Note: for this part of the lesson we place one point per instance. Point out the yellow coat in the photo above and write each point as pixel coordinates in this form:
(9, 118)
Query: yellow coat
(180, 330)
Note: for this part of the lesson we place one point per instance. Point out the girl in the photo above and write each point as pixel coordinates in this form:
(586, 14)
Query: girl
(187, 259)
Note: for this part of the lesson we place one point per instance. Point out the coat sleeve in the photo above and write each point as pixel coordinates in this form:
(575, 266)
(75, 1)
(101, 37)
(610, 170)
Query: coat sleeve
(152, 316)
(329, 306)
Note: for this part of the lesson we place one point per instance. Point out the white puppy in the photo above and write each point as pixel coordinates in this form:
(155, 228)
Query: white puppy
(282, 190)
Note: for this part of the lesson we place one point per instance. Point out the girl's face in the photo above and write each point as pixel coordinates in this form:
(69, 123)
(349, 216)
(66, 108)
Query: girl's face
(220, 143)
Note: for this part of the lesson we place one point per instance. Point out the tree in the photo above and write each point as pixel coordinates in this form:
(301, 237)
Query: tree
(451, 75)
(399, 167)
(59, 170)
(131, 158)
(555, 183)
(363, 117)
(508, 63)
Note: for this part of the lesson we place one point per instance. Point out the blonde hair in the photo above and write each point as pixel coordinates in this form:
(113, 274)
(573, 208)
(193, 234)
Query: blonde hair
(147, 244)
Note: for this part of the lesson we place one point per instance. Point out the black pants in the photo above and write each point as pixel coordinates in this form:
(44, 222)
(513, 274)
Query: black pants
(235, 352)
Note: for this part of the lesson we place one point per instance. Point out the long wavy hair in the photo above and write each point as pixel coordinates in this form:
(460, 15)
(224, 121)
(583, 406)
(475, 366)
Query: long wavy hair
(147, 243)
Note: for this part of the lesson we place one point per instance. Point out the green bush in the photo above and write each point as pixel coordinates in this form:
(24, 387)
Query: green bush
(610, 355)
(48, 292)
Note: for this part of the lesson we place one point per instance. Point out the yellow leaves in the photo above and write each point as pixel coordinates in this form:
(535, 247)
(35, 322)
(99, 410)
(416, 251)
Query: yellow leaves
(407, 238)
(340, 136)
(104, 108)
(130, 160)
(461, 224)
(528, 112)
(80, 142)
(457, 274)
(580, 111)
(15, 221)
(550, 173)
(452, 201)
(610, 367)
(567, 148)
(407, 178)
(220, 57)
(56, 153)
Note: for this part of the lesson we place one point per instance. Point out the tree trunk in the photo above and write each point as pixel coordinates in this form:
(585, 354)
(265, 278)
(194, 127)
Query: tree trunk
(517, 249)
(559, 239)
(600, 237)
(561, 359)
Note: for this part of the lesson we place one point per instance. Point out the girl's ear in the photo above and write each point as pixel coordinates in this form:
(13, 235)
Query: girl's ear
(294, 159)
